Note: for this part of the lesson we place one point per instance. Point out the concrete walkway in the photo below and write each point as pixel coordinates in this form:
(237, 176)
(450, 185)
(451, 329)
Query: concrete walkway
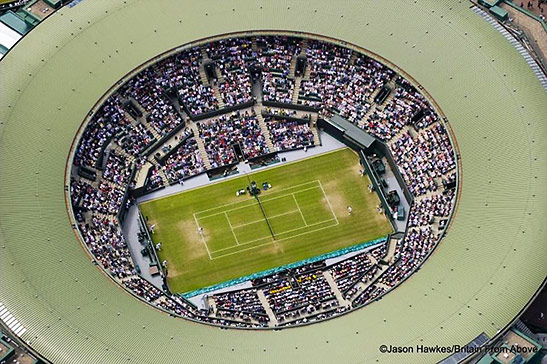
(393, 184)
(264, 301)
(341, 300)
(391, 249)
(130, 232)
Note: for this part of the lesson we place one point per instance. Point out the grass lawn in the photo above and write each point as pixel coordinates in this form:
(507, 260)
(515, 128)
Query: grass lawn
(209, 235)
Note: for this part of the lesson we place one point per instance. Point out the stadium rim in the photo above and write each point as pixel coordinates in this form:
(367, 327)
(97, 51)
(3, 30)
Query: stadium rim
(442, 119)
(497, 43)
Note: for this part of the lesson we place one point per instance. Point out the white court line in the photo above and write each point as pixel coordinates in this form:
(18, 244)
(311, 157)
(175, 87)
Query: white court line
(252, 198)
(300, 228)
(271, 242)
(229, 204)
(231, 228)
(263, 220)
(298, 206)
(241, 207)
(288, 194)
(328, 202)
(284, 232)
(250, 205)
(202, 238)
(268, 237)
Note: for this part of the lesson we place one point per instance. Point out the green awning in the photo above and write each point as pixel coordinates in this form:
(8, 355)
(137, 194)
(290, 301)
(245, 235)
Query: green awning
(13, 21)
(499, 13)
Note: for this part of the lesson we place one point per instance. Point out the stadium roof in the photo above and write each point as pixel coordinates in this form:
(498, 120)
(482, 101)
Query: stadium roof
(483, 273)
(352, 131)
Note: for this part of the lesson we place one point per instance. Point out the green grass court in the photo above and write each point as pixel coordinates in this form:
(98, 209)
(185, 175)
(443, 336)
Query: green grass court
(209, 235)
(241, 226)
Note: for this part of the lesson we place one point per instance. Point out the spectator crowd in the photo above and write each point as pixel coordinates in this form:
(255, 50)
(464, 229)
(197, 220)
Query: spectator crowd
(337, 80)
(289, 135)
(146, 88)
(276, 55)
(186, 160)
(341, 81)
(221, 135)
(182, 72)
(232, 58)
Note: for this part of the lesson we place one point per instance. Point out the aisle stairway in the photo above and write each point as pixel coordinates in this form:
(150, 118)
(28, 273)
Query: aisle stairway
(352, 58)
(220, 77)
(140, 177)
(203, 75)
(304, 46)
(292, 68)
(307, 73)
(403, 130)
(315, 130)
(151, 128)
(392, 85)
(161, 172)
(373, 95)
(391, 249)
(367, 114)
(218, 96)
(201, 146)
(143, 120)
(204, 54)
(391, 96)
(119, 150)
(292, 71)
(264, 301)
(363, 286)
(265, 131)
(330, 280)
(296, 90)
